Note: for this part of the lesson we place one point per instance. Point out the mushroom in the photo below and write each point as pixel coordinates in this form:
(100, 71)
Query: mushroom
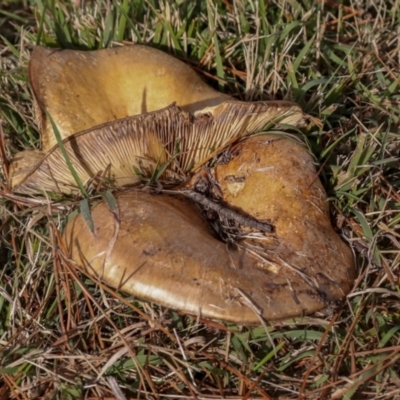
(159, 248)
(129, 150)
(243, 238)
(113, 109)
(82, 89)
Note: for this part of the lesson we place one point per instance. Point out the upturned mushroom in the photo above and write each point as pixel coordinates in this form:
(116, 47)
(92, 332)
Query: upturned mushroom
(85, 92)
(245, 233)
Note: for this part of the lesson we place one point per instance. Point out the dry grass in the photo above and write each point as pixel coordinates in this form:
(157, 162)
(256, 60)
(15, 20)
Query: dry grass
(63, 336)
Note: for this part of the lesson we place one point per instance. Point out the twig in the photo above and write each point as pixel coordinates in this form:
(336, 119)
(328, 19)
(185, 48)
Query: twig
(184, 357)
(223, 211)
(6, 164)
(115, 388)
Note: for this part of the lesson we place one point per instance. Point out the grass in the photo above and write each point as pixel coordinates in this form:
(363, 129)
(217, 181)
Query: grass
(62, 336)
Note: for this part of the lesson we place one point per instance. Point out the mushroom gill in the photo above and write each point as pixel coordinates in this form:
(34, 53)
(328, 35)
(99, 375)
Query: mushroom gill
(125, 151)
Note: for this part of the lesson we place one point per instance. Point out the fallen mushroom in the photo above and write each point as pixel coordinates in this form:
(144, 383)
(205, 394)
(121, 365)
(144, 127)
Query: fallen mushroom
(127, 151)
(244, 237)
(82, 89)
(160, 249)
(86, 92)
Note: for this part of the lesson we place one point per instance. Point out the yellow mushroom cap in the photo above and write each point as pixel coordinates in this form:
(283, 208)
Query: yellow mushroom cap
(82, 89)
(160, 249)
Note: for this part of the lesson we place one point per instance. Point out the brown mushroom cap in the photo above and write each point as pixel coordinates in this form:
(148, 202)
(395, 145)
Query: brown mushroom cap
(161, 249)
(82, 89)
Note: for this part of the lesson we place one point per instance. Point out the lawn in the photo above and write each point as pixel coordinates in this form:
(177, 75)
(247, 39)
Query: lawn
(64, 336)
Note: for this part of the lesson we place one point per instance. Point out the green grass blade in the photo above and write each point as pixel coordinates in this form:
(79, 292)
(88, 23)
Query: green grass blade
(65, 155)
